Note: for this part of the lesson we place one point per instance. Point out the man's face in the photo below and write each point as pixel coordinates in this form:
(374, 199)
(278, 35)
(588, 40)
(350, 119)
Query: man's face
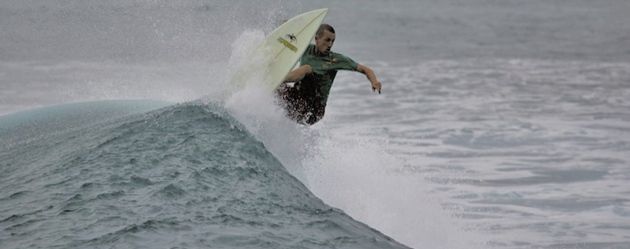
(324, 42)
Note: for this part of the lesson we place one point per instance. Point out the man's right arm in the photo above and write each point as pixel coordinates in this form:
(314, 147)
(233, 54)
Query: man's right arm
(376, 84)
(298, 74)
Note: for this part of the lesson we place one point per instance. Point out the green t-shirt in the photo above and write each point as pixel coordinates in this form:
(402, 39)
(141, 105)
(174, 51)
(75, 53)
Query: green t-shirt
(325, 69)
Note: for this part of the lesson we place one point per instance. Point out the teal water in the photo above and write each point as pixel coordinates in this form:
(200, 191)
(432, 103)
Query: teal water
(183, 176)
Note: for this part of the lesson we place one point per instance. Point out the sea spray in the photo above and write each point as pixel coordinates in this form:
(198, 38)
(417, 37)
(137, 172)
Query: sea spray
(358, 176)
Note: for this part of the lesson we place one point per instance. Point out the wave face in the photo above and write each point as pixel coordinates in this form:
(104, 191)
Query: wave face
(184, 176)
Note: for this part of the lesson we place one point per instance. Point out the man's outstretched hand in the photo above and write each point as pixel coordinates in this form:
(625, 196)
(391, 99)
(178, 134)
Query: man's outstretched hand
(376, 86)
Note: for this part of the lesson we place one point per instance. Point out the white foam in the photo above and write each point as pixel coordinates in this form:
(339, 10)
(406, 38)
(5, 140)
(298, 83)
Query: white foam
(360, 177)
(248, 100)
(352, 173)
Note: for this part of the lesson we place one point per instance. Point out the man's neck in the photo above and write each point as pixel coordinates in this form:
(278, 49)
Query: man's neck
(321, 54)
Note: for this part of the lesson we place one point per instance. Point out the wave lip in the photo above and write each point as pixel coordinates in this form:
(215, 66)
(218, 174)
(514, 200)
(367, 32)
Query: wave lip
(182, 176)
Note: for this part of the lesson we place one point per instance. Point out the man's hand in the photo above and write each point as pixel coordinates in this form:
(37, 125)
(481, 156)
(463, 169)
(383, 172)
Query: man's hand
(299, 73)
(376, 86)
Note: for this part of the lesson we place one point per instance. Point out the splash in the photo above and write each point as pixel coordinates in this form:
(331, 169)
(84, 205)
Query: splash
(354, 174)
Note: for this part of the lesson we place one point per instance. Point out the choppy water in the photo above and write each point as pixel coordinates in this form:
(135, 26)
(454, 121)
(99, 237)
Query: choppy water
(502, 124)
(532, 153)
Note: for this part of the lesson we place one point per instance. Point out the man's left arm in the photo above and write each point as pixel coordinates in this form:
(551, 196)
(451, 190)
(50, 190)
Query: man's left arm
(376, 84)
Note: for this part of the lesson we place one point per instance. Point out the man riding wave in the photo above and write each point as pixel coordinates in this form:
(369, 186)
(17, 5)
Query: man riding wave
(305, 101)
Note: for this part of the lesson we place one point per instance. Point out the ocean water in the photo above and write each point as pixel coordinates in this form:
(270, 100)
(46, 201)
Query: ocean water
(185, 176)
(502, 124)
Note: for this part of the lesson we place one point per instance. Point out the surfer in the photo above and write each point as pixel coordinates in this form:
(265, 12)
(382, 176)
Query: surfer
(305, 90)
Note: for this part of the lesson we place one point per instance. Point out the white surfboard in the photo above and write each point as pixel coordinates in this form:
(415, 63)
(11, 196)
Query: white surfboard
(284, 47)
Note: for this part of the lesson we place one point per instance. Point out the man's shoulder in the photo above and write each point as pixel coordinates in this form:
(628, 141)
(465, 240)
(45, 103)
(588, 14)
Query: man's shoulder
(346, 62)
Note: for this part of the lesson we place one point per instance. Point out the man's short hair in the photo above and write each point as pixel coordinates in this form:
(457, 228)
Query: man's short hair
(323, 27)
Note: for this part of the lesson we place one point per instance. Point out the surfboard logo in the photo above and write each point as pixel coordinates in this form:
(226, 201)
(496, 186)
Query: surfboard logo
(290, 38)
